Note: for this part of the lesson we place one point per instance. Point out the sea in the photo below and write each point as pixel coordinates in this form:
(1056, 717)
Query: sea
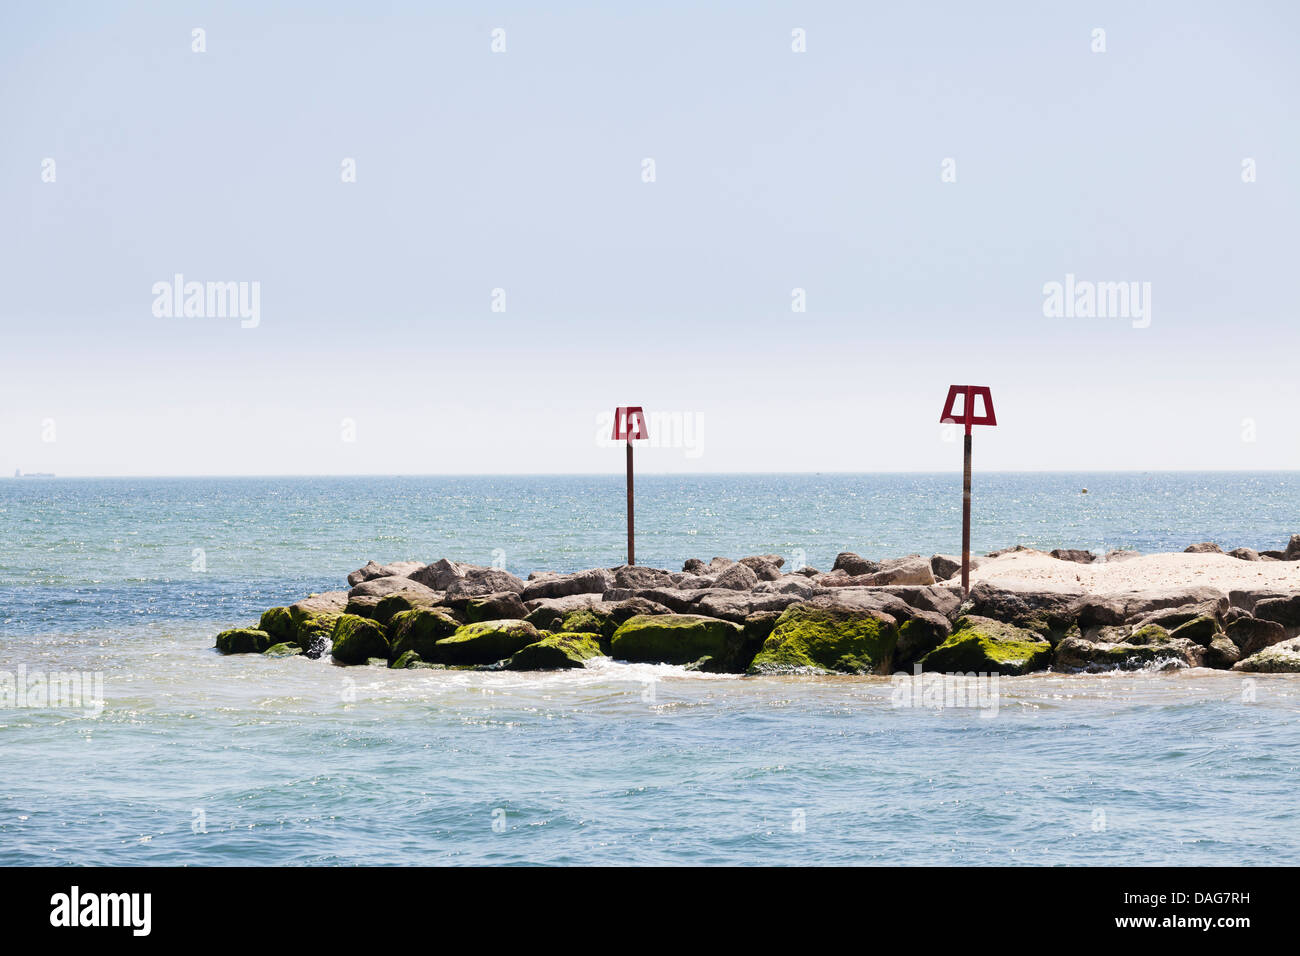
(175, 755)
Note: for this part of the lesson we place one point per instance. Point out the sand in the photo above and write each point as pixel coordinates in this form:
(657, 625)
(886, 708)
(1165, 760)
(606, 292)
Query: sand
(1033, 569)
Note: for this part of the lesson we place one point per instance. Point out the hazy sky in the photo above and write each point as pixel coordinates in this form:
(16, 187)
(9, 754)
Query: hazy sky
(523, 170)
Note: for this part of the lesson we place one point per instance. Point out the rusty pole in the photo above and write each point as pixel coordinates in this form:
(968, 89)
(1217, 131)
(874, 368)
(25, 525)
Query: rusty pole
(631, 543)
(965, 520)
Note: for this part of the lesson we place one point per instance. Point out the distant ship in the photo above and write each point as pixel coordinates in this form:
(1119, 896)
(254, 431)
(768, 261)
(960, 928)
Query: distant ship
(18, 473)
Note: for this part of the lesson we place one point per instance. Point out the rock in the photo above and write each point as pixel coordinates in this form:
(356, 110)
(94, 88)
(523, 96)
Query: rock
(694, 566)
(604, 619)
(853, 565)
(1045, 612)
(735, 606)
(442, 574)
(938, 598)
(814, 639)
(1199, 630)
(1283, 610)
(806, 571)
(1252, 635)
(284, 649)
(373, 570)
(635, 576)
(278, 622)
(1014, 549)
(982, 645)
(556, 652)
(313, 620)
(766, 567)
(795, 584)
(500, 606)
(390, 584)
(405, 600)
(1292, 552)
(1221, 653)
(1131, 607)
(945, 566)
(1282, 658)
(1272, 556)
(679, 602)
(419, 630)
(485, 642)
(480, 583)
(692, 582)
(736, 577)
(758, 626)
(718, 564)
(1172, 617)
(1073, 554)
(357, 639)
(1121, 554)
(918, 636)
(594, 581)
(1244, 554)
(243, 640)
(866, 599)
(1149, 646)
(676, 639)
(1204, 547)
(406, 660)
(545, 614)
(904, 571)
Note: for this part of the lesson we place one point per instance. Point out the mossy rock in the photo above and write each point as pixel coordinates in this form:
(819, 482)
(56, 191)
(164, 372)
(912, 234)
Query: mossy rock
(676, 639)
(278, 622)
(243, 640)
(983, 645)
(283, 649)
(485, 642)
(312, 631)
(918, 636)
(1202, 629)
(358, 639)
(419, 630)
(412, 661)
(1111, 649)
(818, 639)
(591, 620)
(556, 652)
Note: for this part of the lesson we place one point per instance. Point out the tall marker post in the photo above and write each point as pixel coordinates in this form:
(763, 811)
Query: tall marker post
(629, 424)
(968, 418)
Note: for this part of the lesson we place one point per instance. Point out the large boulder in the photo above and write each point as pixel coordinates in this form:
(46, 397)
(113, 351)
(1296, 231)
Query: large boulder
(983, 645)
(736, 577)
(1283, 658)
(243, 640)
(495, 607)
(555, 652)
(480, 582)
(1077, 555)
(393, 604)
(677, 639)
(1172, 617)
(853, 565)
(278, 622)
(828, 638)
(606, 618)
(1281, 610)
(1133, 607)
(1203, 547)
(594, 581)
(945, 566)
(1147, 647)
(1046, 612)
(373, 570)
(1251, 635)
(485, 642)
(918, 636)
(1292, 552)
(913, 569)
(767, 567)
(357, 639)
(678, 601)
(419, 630)
(442, 574)
(545, 614)
(635, 576)
(735, 606)
(1244, 554)
(939, 598)
(365, 598)
(313, 620)
(796, 584)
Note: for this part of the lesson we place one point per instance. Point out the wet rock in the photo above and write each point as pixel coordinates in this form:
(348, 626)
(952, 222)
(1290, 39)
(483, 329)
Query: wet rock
(284, 649)
(357, 639)
(1044, 612)
(814, 639)
(555, 652)
(485, 642)
(1147, 647)
(676, 639)
(982, 645)
(1221, 653)
(1282, 658)
(1199, 630)
(1251, 635)
(919, 635)
(419, 630)
(243, 640)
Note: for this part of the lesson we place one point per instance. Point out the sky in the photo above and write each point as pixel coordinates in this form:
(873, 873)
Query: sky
(505, 267)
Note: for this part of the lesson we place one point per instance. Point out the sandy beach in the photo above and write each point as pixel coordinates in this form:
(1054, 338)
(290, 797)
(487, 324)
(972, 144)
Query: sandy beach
(1040, 571)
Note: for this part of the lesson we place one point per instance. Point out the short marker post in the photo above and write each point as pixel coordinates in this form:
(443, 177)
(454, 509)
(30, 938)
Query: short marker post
(968, 418)
(629, 424)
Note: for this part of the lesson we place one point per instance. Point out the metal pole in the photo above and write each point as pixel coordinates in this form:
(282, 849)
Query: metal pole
(965, 519)
(631, 544)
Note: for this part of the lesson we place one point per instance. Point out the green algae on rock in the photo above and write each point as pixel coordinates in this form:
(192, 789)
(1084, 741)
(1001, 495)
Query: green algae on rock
(485, 642)
(419, 630)
(675, 639)
(1281, 658)
(357, 639)
(1111, 648)
(811, 639)
(556, 652)
(243, 640)
(278, 622)
(983, 645)
(283, 649)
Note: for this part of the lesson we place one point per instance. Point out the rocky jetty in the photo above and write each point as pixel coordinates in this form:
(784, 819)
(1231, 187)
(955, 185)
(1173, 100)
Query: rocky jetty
(1027, 611)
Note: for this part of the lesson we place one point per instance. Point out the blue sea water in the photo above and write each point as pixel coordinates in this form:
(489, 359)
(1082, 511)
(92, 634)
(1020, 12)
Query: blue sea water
(199, 759)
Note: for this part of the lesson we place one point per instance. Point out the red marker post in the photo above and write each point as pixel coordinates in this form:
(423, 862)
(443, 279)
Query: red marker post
(968, 418)
(629, 424)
